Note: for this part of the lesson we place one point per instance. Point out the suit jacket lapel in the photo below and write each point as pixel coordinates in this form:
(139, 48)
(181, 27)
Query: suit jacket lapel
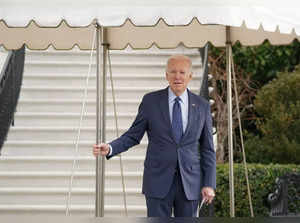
(193, 112)
(164, 107)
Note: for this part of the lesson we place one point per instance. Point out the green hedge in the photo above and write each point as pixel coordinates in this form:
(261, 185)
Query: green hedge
(262, 183)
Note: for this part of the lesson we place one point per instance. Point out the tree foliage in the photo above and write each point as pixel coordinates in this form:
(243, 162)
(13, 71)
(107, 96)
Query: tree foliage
(254, 67)
(278, 105)
(263, 62)
(219, 83)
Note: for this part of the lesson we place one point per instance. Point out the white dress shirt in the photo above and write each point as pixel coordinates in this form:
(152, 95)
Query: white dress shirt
(184, 105)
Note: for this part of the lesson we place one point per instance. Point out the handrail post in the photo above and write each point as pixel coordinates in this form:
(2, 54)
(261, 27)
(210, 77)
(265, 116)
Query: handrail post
(101, 123)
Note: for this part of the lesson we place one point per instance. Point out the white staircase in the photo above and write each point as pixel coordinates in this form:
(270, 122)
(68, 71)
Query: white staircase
(36, 160)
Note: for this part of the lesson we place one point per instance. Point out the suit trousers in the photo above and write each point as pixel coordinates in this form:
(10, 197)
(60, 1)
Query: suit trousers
(175, 201)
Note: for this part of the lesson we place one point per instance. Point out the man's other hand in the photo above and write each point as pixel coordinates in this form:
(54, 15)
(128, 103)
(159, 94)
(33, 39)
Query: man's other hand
(208, 194)
(102, 149)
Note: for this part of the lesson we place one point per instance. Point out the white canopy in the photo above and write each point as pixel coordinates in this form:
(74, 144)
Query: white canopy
(166, 23)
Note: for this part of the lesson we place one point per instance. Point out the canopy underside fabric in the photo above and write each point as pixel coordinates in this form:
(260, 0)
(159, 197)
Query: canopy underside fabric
(193, 35)
(64, 24)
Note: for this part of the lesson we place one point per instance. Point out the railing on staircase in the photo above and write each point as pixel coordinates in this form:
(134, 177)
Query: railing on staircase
(204, 92)
(10, 85)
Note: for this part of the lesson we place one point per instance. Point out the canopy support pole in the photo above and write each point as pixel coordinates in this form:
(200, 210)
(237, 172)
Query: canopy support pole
(101, 113)
(241, 137)
(229, 109)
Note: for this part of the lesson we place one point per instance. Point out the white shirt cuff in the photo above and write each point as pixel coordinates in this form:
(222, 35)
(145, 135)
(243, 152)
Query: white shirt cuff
(110, 150)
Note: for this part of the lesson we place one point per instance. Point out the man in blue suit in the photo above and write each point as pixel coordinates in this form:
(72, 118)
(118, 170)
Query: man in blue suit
(180, 164)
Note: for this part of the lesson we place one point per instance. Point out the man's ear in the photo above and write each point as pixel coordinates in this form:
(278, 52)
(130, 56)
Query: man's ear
(166, 75)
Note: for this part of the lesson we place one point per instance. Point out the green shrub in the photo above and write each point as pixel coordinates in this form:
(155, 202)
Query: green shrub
(278, 105)
(262, 183)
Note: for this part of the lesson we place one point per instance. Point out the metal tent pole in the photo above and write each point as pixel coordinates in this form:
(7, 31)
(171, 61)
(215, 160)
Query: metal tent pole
(241, 136)
(229, 109)
(101, 124)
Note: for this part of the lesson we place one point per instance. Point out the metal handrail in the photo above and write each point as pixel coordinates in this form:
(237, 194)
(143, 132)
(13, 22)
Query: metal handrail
(204, 92)
(10, 86)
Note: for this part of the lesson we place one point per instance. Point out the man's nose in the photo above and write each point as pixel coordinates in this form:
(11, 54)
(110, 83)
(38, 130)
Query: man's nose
(177, 75)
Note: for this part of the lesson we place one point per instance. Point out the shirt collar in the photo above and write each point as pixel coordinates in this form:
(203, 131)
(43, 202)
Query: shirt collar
(183, 96)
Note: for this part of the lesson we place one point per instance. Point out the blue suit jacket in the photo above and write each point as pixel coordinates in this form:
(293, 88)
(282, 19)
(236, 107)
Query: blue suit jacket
(194, 154)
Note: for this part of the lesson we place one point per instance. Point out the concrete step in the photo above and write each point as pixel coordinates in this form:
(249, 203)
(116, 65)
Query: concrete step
(80, 163)
(71, 105)
(122, 93)
(86, 179)
(76, 55)
(130, 60)
(69, 67)
(59, 196)
(66, 119)
(60, 133)
(114, 63)
(80, 80)
(78, 93)
(75, 210)
(60, 149)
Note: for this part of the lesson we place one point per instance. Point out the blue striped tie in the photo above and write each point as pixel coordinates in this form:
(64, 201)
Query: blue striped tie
(177, 126)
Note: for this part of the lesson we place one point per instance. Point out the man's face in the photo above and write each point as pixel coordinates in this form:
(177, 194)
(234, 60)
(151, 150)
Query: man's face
(178, 75)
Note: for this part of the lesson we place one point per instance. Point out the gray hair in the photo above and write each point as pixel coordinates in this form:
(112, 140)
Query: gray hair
(179, 57)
